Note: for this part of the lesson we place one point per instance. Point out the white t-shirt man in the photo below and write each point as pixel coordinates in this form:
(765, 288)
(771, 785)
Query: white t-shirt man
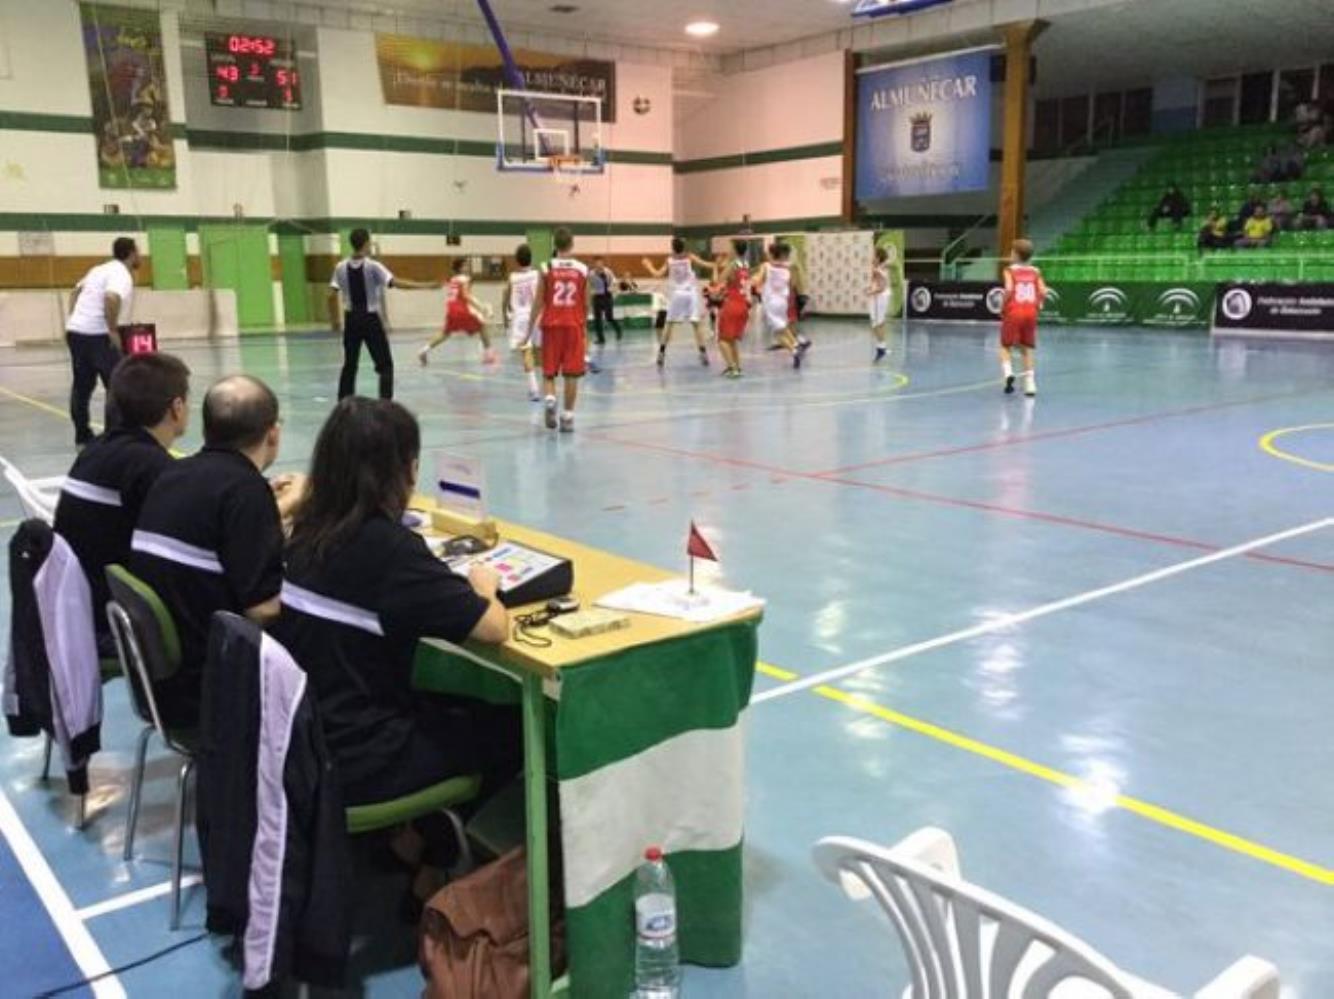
(89, 315)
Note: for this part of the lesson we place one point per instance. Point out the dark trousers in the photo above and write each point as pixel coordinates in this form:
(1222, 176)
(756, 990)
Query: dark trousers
(603, 307)
(91, 357)
(359, 328)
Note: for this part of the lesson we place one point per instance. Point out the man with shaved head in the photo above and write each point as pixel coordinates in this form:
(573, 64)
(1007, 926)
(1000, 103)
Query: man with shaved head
(210, 535)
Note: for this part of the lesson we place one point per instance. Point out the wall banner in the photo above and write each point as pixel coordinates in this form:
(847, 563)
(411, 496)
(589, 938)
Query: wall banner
(924, 127)
(427, 73)
(1297, 309)
(128, 85)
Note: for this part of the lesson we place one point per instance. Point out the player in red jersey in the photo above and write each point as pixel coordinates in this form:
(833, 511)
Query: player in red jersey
(562, 315)
(463, 313)
(734, 316)
(1024, 293)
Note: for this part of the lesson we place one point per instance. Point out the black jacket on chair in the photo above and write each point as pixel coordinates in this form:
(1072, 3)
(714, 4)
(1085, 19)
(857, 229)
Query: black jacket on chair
(272, 829)
(52, 678)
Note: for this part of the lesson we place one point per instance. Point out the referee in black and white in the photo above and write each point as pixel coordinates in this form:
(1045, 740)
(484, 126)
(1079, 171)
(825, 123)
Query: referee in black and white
(357, 307)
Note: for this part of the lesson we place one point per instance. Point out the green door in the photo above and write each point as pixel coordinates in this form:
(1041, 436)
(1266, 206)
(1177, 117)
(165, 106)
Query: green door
(539, 241)
(237, 257)
(296, 293)
(166, 251)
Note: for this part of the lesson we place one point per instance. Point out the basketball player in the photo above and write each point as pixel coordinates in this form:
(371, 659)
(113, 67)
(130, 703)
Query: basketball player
(778, 292)
(520, 296)
(684, 302)
(561, 313)
(463, 314)
(734, 316)
(881, 294)
(1024, 293)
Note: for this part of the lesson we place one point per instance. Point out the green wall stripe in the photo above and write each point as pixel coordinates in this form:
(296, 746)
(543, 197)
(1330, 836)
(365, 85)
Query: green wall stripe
(75, 222)
(818, 151)
(20, 121)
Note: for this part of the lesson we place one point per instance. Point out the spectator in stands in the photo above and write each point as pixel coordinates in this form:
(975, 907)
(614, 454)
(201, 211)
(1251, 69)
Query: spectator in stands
(1269, 168)
(1312, 125)
(1316, 213)
(1281, 210)
(1258, 230)
(1214, 234)
(1254, 201)
(1294, 163)
(1172, 205)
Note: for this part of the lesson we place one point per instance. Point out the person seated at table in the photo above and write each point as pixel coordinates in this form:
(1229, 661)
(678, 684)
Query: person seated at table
(1214, 232)
(110, 479)
(1258, 230)
(361, 590)
(1316, 213)
(210, 536)
(1172, 205)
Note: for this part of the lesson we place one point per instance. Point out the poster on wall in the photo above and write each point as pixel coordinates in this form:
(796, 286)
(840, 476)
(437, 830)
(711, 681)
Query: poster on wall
(924, 127)
(128, 85)
(1300, 310)
(428, 73)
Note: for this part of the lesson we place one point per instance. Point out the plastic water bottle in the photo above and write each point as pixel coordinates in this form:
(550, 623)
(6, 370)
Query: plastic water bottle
(657, 964)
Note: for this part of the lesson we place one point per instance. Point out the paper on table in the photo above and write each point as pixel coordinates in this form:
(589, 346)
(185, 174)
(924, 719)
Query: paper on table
(672, 598)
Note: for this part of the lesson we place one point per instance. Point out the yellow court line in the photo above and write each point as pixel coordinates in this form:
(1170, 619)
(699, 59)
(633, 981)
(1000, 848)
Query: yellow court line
(1146, 810)
(1269, 447)
(768, 669)
(46, 407)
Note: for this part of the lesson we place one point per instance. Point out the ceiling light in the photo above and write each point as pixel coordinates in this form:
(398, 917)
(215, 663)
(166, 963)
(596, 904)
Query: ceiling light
(702, 29)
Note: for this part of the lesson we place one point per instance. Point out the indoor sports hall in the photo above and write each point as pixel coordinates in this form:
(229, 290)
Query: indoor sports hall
(894, 479)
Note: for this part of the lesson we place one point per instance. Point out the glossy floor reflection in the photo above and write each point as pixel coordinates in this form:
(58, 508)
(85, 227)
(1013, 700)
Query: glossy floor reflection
(879, 510)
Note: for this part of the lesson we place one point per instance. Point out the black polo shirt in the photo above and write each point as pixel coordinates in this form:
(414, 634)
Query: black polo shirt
(353, 621)
(209, 538)
(100, 503)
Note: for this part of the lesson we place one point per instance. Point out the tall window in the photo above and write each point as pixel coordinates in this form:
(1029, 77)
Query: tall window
(1257, 96)
(1220, 102)
(1137, 114)
(1107, 117)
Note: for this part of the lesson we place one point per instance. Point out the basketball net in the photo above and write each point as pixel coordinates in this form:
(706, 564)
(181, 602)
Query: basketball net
(565, 170)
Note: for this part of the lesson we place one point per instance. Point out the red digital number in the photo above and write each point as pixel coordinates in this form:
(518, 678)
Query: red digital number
(234, 43)
(229, 73)
(281, 77)
(287, 96)
(224, 92)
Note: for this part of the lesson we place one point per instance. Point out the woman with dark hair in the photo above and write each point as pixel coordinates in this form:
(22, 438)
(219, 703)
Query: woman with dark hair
(360, 591)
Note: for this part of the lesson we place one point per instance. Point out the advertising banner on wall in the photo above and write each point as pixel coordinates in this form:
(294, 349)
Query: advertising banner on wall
(1305, 310)
(924, 127)
(428, 73)
(1165, 306)
(128, 86)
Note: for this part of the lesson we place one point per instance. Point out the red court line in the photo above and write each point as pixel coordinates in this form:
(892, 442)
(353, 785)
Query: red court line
(1090, 428)
(996, 508)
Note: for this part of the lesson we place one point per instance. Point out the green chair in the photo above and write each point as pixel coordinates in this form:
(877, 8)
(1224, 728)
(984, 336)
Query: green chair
(149, 650)
(441, 798)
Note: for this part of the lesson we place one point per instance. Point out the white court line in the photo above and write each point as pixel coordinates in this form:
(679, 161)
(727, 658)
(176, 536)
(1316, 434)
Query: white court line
(1010, 620)
(87, 955)
(118, 902)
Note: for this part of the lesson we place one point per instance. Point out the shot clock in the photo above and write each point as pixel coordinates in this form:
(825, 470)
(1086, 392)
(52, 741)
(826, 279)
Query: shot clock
(252, 71)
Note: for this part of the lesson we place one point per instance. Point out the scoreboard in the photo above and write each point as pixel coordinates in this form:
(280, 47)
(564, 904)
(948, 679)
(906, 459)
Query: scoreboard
(252, 71)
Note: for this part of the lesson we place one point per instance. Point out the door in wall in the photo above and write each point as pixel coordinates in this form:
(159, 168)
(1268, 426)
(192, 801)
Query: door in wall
(296, 291)
(237, 257)
(539, 241)
(166, 252)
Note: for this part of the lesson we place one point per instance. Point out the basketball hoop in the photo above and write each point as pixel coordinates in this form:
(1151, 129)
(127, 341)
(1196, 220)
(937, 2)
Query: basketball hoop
(566, 169)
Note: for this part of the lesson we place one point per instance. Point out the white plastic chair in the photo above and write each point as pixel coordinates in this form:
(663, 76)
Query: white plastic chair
(963, 942)
(37, 497)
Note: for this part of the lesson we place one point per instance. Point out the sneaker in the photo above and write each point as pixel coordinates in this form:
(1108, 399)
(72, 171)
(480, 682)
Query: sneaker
(423, 354)
(796, 357)
(803, 346)
(734, 373)
(534, 395)
(567, 423)
(1009, 384)
(704, 358)
(1031, 393)
(592, 366)
(880, 353)
(550, 408)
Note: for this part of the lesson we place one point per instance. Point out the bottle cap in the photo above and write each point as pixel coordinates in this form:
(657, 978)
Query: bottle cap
(653, 854)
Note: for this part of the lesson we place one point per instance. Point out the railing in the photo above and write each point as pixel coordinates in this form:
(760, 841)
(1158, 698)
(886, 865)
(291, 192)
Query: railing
(949, 266)
(1190, 266)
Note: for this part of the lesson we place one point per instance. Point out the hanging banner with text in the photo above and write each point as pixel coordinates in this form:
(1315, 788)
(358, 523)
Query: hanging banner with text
(1105, 303)
(1304, 310)
(127, 82)
(426, 73)
(924, 127)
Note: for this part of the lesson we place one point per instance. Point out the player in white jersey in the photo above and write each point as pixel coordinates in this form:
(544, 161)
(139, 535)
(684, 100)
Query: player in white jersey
(779, 287)
(520, 296)
(881, 293)
(685, 302)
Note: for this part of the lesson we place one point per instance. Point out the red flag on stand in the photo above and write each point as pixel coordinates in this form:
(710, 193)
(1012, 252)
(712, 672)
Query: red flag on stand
(697, 547)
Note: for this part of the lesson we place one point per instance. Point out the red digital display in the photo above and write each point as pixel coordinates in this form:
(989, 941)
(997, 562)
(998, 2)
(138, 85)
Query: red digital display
(253, 71)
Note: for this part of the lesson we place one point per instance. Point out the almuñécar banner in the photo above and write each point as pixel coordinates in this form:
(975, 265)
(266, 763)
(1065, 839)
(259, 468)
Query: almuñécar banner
(924, 127)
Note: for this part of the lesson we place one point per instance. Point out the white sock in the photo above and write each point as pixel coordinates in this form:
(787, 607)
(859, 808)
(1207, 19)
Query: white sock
(551, 402)
(1007, 368)
(532, 381)
(567, 414)
(1030, 381)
